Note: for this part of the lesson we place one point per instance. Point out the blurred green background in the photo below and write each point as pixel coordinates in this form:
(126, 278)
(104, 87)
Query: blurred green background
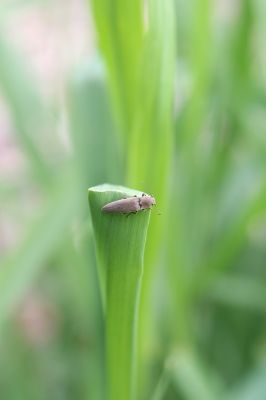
(167, 97)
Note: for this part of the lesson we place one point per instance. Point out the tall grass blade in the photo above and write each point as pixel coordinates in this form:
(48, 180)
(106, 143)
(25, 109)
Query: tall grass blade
(120, 243)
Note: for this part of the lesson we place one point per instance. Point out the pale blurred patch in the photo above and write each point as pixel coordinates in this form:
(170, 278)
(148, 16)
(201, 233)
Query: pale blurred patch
(37, 319)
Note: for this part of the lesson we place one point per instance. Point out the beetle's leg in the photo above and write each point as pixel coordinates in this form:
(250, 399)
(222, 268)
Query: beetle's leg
(133, 212)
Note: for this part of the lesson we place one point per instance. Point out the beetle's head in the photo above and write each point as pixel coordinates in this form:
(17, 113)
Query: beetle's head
(147, 201)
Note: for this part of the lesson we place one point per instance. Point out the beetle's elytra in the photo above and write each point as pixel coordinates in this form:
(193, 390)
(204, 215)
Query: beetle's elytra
(130, 205)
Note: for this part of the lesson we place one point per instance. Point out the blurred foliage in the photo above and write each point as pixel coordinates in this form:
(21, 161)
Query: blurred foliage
(175, 106)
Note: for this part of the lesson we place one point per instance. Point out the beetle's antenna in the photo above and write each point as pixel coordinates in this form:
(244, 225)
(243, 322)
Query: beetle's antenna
(159, 213)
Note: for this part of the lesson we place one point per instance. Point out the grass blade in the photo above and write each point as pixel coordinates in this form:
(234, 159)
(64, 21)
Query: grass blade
(18, 272)
(25, 105)
(120, 243)
(190, 378)
(93, 129)
(252, 387)
(120, 26)
(247, 293)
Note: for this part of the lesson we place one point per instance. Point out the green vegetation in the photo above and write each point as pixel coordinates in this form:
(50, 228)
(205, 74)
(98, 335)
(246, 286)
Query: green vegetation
(174, 106)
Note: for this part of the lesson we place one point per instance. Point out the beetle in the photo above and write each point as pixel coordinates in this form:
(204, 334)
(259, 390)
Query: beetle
(130, 205)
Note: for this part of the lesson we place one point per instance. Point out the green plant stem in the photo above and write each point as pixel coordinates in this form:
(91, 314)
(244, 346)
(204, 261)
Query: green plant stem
(120, 242)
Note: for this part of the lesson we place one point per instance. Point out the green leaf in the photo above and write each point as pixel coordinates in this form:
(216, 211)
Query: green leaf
(120, 243)
(92, 127)
(162, 386)
(120, 27)
(152, 128)
(18, 272)
(191, 378)
(252, 387)
(25, 105)
(239, 291)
